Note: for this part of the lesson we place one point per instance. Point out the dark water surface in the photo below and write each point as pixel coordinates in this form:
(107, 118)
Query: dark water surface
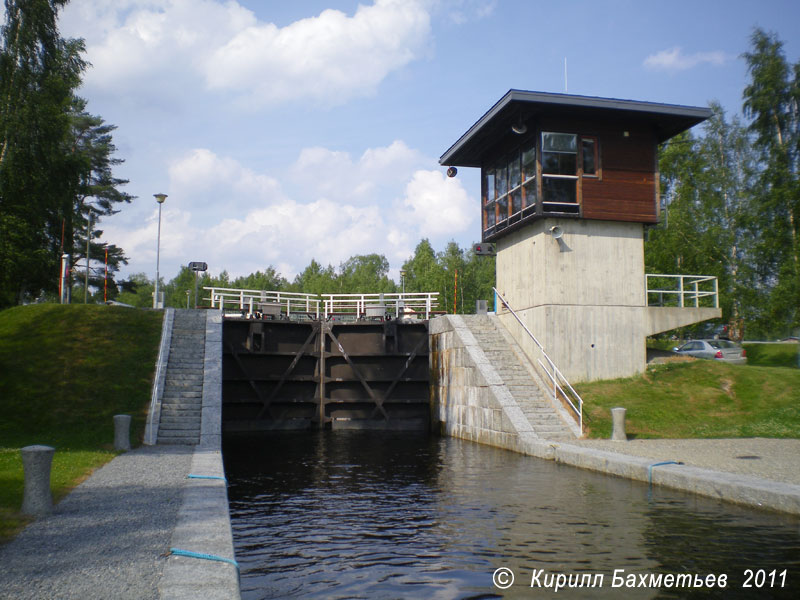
(377, 515)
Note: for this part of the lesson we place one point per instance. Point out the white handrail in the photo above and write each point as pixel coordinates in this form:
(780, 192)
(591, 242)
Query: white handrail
(243, 299)
(560, 383)
(688, 287)
(401, 304)
(398, 303)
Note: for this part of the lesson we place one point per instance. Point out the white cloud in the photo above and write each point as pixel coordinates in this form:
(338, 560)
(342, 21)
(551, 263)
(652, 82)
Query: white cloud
(330, 57)
(675, 60)
(438, 206)
(372, 177)
(241, 220)
(174, 44)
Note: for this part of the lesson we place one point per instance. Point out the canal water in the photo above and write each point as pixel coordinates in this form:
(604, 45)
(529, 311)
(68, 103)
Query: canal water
(375, 515)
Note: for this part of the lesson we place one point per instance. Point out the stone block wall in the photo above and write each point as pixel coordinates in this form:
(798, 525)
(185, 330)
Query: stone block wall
(469, 399)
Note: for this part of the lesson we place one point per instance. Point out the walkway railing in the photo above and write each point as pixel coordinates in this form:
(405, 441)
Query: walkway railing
(682, 290)
(345, 306)
(562, 390)
(264, 302)
(377, 305)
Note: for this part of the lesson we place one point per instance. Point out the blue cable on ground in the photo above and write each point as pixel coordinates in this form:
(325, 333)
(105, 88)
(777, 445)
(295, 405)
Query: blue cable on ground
(658, 464)
(190, 554)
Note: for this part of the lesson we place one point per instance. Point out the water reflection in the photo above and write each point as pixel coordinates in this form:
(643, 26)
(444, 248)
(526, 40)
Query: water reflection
(375, 515)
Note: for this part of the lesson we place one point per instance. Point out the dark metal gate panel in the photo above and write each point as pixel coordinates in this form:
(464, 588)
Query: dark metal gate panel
(284, 375)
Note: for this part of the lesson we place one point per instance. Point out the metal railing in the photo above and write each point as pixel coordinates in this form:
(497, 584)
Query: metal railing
(264, 302)
(411, 304)
(561, 387)
(682, 290)
(347, 306)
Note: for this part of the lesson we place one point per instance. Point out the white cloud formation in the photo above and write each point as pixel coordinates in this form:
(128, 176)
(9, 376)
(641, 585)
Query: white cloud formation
(438, 206)
(674, 59)
(222, 46)
(235, 218)
(330, 57)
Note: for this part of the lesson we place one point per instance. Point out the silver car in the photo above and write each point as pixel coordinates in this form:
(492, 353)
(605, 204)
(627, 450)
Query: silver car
(722, 350)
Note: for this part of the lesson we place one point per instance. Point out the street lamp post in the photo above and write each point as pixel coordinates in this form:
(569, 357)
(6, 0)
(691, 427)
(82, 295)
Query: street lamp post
(160, 199)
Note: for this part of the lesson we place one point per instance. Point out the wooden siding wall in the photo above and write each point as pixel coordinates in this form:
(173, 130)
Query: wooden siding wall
(627, 187)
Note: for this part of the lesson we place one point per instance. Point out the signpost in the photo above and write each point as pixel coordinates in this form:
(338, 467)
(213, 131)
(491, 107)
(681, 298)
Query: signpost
(197, 267)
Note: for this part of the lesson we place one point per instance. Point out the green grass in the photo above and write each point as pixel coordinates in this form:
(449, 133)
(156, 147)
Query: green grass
(773, 355)
(65, 372)
(698, 399)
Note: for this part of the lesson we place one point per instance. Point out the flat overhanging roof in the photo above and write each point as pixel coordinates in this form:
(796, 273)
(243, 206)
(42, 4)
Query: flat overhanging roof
(667, 120)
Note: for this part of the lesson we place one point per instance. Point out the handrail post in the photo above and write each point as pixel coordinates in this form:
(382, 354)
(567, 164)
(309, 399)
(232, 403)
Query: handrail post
(716, 293)
(680, 283)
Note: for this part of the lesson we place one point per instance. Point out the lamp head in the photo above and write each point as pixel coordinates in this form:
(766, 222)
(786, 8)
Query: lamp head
(556, 232)
(160, 198)
(452, 172)
(519, 127)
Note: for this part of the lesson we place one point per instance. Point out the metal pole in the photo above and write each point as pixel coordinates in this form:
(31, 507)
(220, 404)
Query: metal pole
(158, 257)
(160, 199)
(86, 279)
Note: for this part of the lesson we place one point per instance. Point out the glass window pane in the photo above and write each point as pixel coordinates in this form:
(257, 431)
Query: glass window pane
(528, 163)
(559, 142)
(501, 182)
(559, 163)
(513, 171)
(516, 201)
(559, 190)
(589, 157)
(488, 185)
(529, 193)
(502, 209)
(490, 216)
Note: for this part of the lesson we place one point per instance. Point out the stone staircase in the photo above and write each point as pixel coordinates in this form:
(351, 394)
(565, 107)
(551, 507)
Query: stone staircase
(537, 408)
(182, 400)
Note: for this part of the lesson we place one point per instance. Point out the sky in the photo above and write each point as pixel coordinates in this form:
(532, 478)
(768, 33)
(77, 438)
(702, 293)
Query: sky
(283, 132)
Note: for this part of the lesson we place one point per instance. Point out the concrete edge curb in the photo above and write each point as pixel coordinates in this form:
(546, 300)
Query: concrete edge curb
(203, 527)
(211, 412)
(730, 487)
(154, 412)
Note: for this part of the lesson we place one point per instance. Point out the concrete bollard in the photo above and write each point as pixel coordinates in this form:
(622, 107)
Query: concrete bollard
(618, 425)
(36, 462)
(122, 432)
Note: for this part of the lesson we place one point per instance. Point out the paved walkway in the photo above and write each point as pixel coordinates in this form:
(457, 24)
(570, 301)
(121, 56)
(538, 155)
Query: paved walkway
(775, 460)
(106, 538)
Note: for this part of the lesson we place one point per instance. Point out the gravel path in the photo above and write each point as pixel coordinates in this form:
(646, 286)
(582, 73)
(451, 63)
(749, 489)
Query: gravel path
(100, 540)
(776, 460)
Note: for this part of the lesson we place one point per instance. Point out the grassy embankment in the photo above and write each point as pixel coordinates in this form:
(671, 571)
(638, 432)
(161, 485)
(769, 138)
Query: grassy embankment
(704, 398)
(65, 371)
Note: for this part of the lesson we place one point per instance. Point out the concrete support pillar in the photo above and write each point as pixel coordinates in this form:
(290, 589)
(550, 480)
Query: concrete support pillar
(618, 425)
(36, 462)
(122, 432)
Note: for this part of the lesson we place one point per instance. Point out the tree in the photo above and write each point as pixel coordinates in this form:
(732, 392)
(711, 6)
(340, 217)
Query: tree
(365, 274)
(771, 102)
(38, 73)
(97, 194)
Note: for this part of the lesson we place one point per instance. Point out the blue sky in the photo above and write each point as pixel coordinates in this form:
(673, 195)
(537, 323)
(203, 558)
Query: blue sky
(286, 131)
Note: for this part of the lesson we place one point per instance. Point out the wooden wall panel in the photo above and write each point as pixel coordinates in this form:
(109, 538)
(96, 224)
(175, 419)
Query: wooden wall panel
(621, 196)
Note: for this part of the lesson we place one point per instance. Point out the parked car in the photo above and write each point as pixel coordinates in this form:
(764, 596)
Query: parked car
(722, 350)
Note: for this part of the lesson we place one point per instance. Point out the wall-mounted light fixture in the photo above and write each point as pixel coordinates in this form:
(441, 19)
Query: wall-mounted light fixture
(519, 126)
(558, 236)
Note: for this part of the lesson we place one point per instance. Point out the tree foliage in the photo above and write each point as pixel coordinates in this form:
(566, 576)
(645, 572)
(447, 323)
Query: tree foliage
(733, 200)
(56, 159)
